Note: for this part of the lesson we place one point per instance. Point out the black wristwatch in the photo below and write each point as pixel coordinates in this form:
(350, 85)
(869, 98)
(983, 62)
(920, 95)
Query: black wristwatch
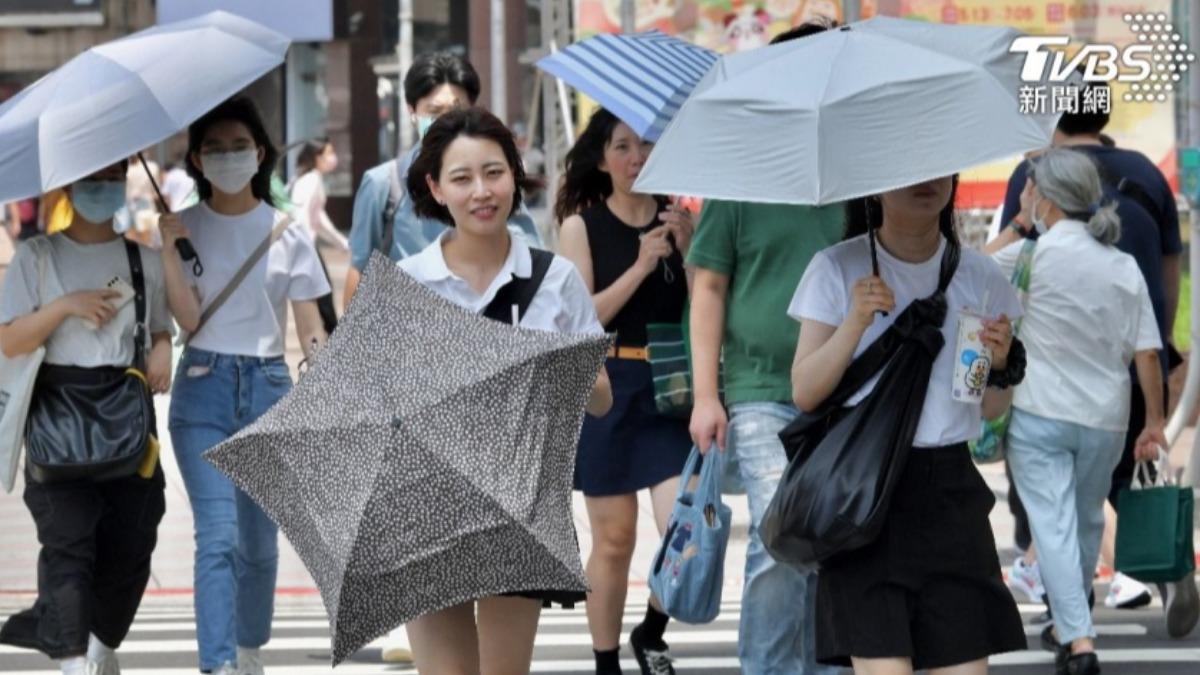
(1014, 373)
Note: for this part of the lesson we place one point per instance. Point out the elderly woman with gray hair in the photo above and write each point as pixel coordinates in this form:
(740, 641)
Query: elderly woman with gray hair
(1088, 315)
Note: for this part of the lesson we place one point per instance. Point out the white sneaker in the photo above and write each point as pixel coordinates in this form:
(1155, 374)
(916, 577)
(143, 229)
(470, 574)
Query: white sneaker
(226, 669)
(249, 661)
(397, 649)
(105, 666)
(1027, 579)
(102, 659)
(76, 665)
(1126, 593)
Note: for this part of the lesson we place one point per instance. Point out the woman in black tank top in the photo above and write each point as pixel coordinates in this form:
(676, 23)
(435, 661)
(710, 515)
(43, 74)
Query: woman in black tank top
(629, 248)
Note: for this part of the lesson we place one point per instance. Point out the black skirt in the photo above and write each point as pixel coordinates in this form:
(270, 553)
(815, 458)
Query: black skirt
(929, 588)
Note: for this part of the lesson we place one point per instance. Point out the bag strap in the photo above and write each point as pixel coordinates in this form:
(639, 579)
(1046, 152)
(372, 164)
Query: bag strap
(520, 292)
(40, 250)
(282, 222)
(395, 192)
(864, 367)
(134, 254)
(1021, 276)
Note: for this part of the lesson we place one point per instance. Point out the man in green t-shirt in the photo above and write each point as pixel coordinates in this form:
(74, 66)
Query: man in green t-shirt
(748, 260)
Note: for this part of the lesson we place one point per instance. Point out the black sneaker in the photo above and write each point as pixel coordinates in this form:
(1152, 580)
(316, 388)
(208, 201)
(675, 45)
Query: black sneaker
(1050, 641)
(1181, 602)
(1081, 664)
(654, 659)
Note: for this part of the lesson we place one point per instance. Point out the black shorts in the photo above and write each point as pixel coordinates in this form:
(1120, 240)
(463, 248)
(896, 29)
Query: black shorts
(929, 588)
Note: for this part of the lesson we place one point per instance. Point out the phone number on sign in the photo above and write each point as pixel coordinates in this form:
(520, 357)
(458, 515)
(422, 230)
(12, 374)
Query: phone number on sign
(1055, 12)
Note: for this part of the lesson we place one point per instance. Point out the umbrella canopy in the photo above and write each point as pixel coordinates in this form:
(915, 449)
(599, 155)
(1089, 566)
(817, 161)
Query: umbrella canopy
(642, 78)
(853, 111)
(117, 98)
(425, 460)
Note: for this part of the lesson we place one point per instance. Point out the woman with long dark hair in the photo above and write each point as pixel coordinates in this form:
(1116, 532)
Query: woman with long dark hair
(927, 593)
(232, 369)
(468, 175)
(629, 247)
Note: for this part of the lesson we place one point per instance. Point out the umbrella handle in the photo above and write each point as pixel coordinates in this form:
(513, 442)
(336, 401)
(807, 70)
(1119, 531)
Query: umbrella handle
(874, 250)
(185, 248)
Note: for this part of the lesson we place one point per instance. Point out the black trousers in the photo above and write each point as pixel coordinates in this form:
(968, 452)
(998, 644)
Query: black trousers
(94, 564)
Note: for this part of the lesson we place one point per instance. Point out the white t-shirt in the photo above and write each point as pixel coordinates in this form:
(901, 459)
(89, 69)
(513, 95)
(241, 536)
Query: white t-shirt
(824, 295)
(1088, 312)
(253, 321)
(70, 267)
(562, 303)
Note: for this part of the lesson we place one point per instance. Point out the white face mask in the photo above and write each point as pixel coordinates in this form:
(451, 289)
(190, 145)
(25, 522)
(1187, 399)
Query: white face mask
(1039, 222)
(230, 172)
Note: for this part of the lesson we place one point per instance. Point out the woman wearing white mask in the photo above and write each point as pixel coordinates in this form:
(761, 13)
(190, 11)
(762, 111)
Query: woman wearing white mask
(1089, 316)
(233, 369)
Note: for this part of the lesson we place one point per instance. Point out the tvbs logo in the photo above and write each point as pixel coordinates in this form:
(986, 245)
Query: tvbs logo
(1152, 66)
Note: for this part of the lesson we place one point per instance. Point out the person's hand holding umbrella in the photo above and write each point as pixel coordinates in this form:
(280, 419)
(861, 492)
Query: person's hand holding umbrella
(678, 220)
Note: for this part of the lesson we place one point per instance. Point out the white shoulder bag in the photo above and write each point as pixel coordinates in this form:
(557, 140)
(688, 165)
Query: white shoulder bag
(17, 376)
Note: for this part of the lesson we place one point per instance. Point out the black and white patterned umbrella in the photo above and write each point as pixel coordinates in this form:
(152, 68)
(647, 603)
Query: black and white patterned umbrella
(425, 459)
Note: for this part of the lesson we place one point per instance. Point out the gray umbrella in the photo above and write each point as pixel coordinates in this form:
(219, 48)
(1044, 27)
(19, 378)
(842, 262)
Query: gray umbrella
(424, 460)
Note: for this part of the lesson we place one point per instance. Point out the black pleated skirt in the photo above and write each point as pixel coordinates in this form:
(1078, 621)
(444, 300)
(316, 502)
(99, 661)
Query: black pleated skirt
(930, 587)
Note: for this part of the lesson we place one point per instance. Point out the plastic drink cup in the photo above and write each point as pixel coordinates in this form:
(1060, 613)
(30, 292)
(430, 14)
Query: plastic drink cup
(972, 360)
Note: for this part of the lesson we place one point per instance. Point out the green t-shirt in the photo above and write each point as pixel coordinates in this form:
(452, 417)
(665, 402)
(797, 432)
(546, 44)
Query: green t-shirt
(764, 250)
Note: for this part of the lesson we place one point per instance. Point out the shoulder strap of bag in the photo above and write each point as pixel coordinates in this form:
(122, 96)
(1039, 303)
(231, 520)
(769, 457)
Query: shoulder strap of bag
(139, 304)
(282, 222)
(1021, 276)
(395, 192)
(519, 291)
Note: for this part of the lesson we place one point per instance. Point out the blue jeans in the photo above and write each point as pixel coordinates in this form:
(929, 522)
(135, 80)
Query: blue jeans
(1063, 472)
(215, 396)
(777, 633)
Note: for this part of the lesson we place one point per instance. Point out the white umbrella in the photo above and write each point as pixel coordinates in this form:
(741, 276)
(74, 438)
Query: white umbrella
(117, 98)
(854, 111)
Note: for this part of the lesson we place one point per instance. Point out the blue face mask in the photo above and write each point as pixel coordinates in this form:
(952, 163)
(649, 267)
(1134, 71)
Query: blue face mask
(423, 124)
(97, 200)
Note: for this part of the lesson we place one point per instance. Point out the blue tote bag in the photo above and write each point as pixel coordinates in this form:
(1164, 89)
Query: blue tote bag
(689, 569)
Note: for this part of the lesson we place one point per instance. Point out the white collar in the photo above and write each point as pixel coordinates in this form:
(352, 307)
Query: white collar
(1065, 228)
(431, 263)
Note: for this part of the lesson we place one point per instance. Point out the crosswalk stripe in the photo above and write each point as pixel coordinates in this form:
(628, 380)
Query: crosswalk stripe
(549, 616)
(577, 620)
(286, 644)
(696, 664)
(322, 623)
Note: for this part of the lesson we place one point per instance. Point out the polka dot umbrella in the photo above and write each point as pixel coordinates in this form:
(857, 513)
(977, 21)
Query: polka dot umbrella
(424, 460)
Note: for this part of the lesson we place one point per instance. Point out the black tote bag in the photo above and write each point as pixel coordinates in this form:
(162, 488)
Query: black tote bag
(844, 462)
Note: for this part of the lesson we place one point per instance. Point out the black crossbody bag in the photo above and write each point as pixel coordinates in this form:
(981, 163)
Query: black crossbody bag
(93, 424)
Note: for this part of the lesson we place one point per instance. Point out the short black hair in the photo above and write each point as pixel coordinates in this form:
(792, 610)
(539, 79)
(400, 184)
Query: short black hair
(432, 70)
(472, 122)
(811, 27)
(1089, 123)
(242, 110)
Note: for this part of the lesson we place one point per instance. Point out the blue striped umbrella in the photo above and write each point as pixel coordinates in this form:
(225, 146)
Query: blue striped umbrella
(642, 78)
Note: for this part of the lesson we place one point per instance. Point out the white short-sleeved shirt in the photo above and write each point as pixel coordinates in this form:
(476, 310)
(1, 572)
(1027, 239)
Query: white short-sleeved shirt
(253, 321)
(72, 266)
(1088, 312)
(562, 303)
(824, 295)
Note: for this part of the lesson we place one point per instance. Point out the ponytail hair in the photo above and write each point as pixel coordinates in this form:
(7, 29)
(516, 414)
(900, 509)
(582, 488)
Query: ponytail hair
(1070, 180)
